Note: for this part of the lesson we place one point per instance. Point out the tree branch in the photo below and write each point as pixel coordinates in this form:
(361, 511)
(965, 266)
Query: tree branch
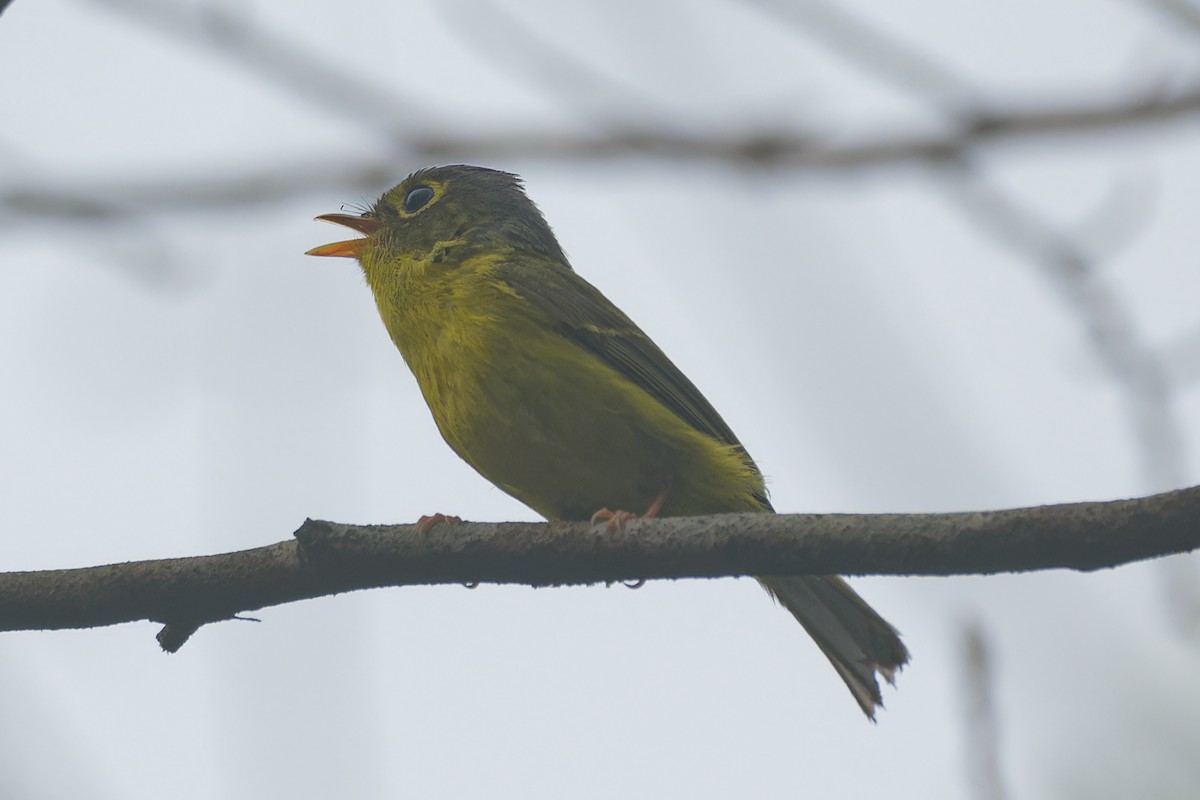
(982, 735)
(884, 58)
(230, 189)
(228, 29)
(1104, 311)
(327, 558)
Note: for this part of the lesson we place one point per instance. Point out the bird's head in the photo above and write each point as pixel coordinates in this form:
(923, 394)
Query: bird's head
(440, 214)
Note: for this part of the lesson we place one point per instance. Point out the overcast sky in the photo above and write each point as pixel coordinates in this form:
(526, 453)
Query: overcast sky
(185, 381)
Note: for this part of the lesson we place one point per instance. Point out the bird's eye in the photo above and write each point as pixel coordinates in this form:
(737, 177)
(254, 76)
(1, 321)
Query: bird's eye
(417, 199)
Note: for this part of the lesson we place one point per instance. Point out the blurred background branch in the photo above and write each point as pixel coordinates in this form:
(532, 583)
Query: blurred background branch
(228, 188)
(410, 132)
(981, 737)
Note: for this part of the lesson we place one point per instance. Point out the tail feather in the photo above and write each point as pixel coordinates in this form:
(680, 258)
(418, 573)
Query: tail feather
(857, 641)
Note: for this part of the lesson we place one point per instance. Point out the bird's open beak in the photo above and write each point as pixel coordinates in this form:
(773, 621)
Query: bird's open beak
(351, 247)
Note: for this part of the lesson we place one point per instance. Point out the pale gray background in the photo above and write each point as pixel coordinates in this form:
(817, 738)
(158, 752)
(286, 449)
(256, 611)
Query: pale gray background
(181, 380)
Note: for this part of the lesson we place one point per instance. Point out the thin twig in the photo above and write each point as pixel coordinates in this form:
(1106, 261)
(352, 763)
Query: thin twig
(883, 57)
(545, 62)
(1132, 363)
(982, 735)
(291, 66)
(1182, 359)
(1180, 12)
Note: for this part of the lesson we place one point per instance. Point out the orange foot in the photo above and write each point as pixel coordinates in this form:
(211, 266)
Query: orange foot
(427, 521)
(425, 525)
(612, 519)
(615, 519)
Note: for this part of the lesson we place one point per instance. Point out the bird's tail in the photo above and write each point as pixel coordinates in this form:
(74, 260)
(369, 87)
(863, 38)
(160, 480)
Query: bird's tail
(858, 641)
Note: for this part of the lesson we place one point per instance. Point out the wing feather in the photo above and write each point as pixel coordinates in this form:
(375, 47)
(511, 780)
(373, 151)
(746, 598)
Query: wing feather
(582, 314)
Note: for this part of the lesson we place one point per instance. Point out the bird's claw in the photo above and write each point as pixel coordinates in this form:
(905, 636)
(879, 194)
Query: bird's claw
(427, 521)
(613, 520)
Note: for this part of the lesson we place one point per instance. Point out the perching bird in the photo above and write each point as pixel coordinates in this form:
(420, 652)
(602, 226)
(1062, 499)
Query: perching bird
(550, 392)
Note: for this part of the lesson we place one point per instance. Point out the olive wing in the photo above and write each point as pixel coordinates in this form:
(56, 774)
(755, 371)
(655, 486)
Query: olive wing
(582, 314)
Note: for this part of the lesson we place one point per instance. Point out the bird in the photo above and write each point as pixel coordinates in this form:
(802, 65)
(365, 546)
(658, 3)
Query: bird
(553, 394)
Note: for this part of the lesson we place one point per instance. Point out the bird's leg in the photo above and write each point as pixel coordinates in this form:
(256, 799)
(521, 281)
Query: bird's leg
(612, 519)
(616, 519)
(425, 525)
(656, 506)
(427, 521)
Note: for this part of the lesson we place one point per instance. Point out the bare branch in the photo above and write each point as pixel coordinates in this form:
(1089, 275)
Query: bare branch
(234, 188)
(267, 56)
(326, 558)
(1182, 359)
(1120, 217)
(1179, 12)
(542, 61)
(883, 57)
(996, 125)
(1137, 370)
(1133, 365)
(982, 736)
